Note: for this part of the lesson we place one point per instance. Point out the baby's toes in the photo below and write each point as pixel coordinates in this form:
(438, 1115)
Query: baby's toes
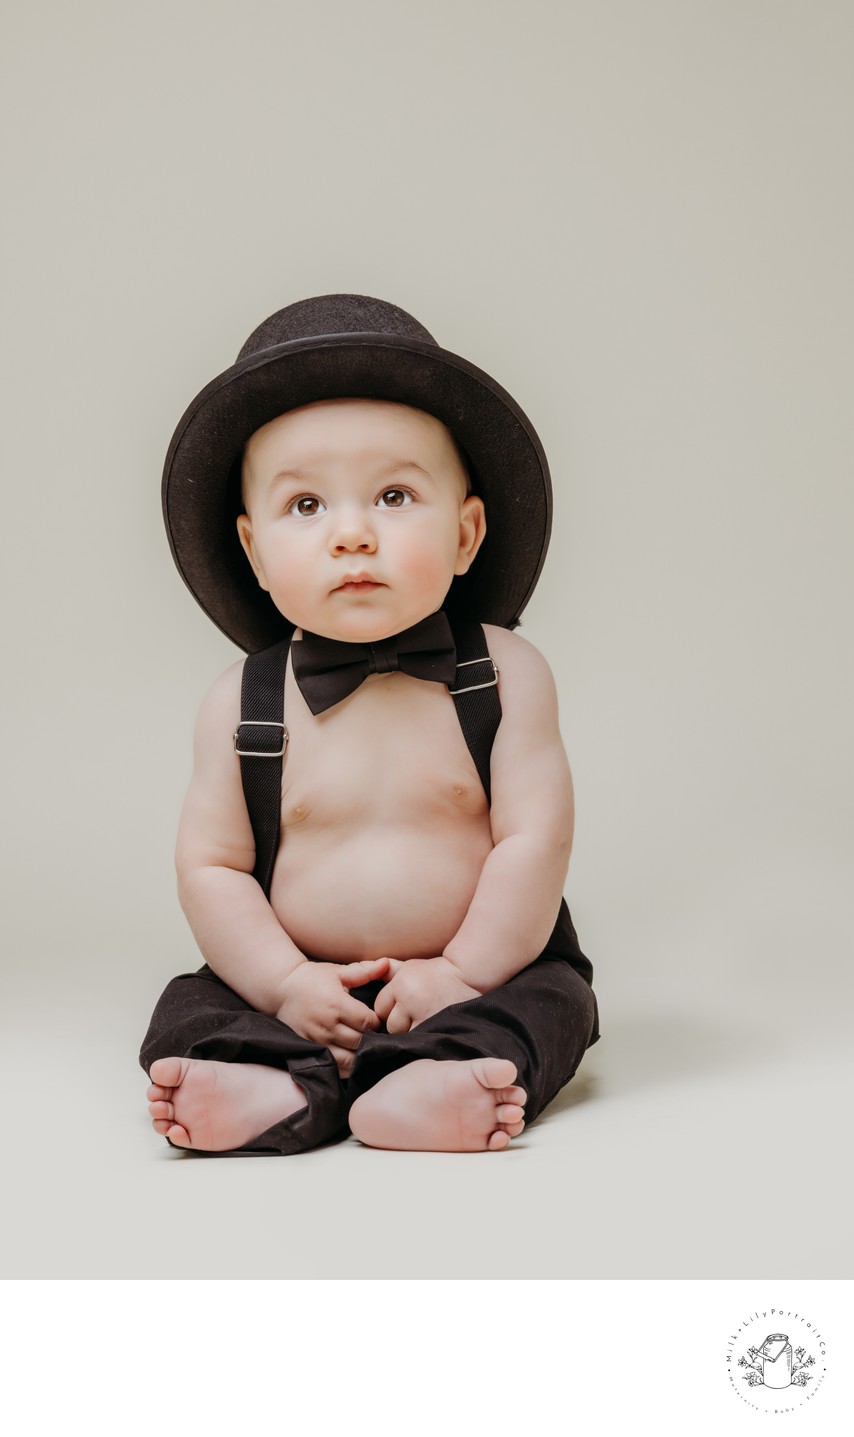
(512, 1095)
(509, 1113)
(498, 1141)
(496, 1073)
(167, 1072)
(514, 1129)
(156, 1093)
(162, 1110)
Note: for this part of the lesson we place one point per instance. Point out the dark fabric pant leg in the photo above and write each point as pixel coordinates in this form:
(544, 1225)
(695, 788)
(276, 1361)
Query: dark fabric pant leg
(543, 1019)
(199, 1016)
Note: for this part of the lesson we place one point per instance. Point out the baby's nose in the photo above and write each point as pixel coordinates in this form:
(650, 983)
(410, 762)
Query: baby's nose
(353, 533)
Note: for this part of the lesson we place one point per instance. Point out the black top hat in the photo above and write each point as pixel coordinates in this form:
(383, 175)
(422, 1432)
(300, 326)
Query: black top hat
(337, 346)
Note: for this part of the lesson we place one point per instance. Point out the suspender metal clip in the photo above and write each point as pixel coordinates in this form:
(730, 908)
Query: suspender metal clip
(490, 683)
(262, 753)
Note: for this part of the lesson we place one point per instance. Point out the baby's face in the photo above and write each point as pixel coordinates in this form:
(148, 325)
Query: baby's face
(357, 517)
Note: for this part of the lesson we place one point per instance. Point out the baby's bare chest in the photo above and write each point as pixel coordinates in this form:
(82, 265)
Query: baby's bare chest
(392, 753)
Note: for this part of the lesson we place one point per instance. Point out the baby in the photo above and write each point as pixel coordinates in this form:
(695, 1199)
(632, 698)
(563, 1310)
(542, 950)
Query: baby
(374, 843)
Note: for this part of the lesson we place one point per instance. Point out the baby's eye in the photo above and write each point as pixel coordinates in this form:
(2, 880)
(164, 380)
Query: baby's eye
(395, 498)
(306, 505)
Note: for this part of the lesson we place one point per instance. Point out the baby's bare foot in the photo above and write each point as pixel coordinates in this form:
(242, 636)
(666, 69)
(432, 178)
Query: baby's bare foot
(218, 1106)
(448, 1107)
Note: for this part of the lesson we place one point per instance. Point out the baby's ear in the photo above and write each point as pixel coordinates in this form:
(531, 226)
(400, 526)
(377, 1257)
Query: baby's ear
(244, 533)
(472, 532)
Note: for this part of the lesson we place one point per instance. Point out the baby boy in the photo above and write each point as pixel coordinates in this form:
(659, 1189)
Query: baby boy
(374, 871)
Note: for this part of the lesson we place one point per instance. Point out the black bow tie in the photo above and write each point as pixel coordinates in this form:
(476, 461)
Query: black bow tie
(327, 670)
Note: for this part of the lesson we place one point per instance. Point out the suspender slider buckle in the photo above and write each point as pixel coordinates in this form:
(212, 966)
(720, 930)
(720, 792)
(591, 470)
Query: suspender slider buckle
(490, 683)
(259, 753)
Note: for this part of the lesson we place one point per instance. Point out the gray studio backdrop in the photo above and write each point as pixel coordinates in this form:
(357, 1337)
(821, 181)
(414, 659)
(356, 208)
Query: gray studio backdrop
(638, 217)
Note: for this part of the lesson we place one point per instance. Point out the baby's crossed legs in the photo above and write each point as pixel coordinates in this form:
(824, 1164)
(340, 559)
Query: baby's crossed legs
(465, 1080)
(427, 1105)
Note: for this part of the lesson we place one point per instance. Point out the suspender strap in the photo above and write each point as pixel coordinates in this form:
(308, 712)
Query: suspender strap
(261, 737)
(475, 694)
(260, 741)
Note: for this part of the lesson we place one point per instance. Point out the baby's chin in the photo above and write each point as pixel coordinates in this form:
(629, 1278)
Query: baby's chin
(360, 626)
(355, 634)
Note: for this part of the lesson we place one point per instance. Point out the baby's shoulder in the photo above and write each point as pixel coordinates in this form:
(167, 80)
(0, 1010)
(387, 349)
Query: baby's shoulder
(220, 706)
(519, 662)
(528, 694)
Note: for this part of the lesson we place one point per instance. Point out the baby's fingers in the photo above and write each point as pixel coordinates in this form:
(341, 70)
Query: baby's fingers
(398, 1020)
(345, 1037)
(344, 1059)
(358, 1016)
(365, 970)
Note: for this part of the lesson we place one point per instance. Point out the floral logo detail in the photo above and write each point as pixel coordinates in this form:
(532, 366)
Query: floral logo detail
(773, 1364)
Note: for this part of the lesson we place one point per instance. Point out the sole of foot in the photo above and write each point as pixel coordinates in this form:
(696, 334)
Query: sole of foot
(430, 1106)
(218, 1107)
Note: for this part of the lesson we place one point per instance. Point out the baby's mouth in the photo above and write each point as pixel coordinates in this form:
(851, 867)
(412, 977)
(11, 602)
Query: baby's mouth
(358, 585)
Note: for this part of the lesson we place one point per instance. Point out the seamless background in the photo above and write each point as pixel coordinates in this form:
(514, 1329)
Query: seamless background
(639, 218)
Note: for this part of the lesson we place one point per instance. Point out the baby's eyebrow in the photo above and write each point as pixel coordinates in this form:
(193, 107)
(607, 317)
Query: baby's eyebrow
(393, 466)
(396, 466)
(297, 474)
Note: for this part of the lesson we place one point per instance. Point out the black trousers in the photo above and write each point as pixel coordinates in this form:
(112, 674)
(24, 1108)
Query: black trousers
(543, 1019)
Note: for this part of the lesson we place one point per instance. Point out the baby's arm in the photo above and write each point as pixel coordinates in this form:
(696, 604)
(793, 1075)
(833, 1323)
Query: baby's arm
(235, 927)
(516, 902)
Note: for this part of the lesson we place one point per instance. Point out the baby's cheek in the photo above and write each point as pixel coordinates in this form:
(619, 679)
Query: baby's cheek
(430, 564)
(290, 588)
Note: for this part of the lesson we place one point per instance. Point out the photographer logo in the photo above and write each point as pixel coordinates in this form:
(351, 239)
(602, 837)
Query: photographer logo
(776, 1360)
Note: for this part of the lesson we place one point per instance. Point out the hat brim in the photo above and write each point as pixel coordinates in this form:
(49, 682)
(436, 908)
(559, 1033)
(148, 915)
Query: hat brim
(201, 500)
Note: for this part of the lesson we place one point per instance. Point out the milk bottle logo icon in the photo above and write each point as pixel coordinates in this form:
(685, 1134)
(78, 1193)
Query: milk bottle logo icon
(776, 1356)
(775, 1364)
(781, 1371)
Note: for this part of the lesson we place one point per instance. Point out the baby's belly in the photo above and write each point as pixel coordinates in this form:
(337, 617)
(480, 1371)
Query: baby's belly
(391, 891)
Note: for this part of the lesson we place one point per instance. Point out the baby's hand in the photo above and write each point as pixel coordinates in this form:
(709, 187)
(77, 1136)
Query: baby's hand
(316, 1004)
(419, 988)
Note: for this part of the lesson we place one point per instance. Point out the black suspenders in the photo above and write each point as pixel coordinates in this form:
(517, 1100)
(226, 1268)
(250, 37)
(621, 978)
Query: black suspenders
(261, 738)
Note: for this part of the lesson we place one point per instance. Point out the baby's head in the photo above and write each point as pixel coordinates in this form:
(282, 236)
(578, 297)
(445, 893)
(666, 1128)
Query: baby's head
(357, 516)
(395, 448)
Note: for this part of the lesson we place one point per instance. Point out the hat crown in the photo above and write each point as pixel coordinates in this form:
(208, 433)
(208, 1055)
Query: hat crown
(333, 314)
